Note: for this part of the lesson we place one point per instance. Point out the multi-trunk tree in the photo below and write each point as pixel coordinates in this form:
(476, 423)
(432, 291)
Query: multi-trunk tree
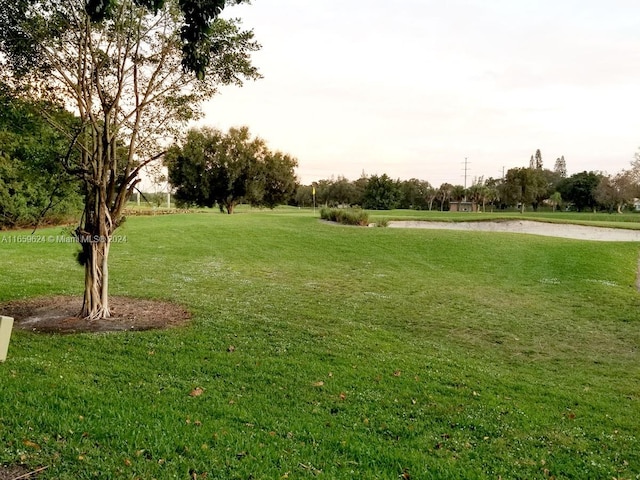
(133, 72)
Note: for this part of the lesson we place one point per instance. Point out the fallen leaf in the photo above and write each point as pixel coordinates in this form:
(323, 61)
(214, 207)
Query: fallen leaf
(196, 392)
(318, 384)
(342, 396)
(30, 444)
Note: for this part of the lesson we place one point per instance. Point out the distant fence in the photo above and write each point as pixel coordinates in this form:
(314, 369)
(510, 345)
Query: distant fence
(139, 212)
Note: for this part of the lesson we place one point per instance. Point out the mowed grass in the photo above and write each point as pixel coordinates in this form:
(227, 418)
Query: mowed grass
(332, 352)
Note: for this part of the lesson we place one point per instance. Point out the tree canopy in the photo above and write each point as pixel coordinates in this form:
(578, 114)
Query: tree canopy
(34, 186)
(381, 193)
(580, 190)
(212, 167)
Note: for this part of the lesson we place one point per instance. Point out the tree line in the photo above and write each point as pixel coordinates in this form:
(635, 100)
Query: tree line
(522, 187)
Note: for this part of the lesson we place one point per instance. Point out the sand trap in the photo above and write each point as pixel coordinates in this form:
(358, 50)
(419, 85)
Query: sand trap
(534, 228)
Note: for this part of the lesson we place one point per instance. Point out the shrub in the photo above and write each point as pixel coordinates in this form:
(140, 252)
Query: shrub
(346, 216)
(383, 222)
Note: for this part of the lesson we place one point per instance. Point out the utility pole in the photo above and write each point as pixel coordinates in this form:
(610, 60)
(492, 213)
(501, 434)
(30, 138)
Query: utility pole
(466, 169)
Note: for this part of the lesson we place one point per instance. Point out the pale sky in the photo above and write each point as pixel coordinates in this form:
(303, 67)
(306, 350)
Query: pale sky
(411, 88)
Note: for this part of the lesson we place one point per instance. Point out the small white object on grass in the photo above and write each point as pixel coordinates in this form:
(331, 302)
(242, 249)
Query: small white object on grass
(6, 325)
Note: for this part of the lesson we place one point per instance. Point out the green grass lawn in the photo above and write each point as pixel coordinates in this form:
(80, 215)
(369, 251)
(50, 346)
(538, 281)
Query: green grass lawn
(364, 353)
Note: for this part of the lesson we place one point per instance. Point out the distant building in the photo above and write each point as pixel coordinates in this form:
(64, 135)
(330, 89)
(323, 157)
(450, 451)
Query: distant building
(463, 206)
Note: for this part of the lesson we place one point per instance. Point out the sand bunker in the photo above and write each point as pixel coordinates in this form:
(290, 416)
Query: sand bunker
(579, 232)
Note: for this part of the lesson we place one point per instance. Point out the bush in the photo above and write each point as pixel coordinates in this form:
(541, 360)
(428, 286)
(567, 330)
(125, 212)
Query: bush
(346, 216)
(383, 222)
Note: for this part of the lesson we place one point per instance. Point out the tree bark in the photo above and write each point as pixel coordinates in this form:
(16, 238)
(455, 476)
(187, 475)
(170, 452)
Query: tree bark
(95, 303)
(94, 236)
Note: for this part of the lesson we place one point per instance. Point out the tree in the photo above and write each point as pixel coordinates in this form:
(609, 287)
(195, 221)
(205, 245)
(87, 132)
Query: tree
(560, 168)
(538, 158)
(614, 192)
(34, 187)
(414, 194)
(458, 193)
(360, 186)
(212, 167)
(340, 191)
(432, 195)
(556, 200)
(304, 196)
(277, 181)
(134, 72)
(479, 193)
(381, 193)
(444, 194)
(494, 188)
(579, 189)
(524, 186)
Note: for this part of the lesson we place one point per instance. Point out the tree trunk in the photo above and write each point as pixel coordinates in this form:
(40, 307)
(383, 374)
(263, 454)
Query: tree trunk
(95, 303)
(94, 236)
(230, 206)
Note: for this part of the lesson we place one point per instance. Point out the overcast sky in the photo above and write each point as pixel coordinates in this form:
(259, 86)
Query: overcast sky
(411, 88)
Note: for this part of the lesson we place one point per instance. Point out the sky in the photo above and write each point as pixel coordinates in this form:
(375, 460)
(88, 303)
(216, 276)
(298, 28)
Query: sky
(413, 88)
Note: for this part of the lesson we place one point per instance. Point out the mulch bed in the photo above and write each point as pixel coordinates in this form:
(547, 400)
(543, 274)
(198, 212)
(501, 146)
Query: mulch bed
(59, 314)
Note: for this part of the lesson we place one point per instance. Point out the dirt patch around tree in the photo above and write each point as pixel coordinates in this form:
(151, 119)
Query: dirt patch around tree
(14, 471)
(59, 314)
